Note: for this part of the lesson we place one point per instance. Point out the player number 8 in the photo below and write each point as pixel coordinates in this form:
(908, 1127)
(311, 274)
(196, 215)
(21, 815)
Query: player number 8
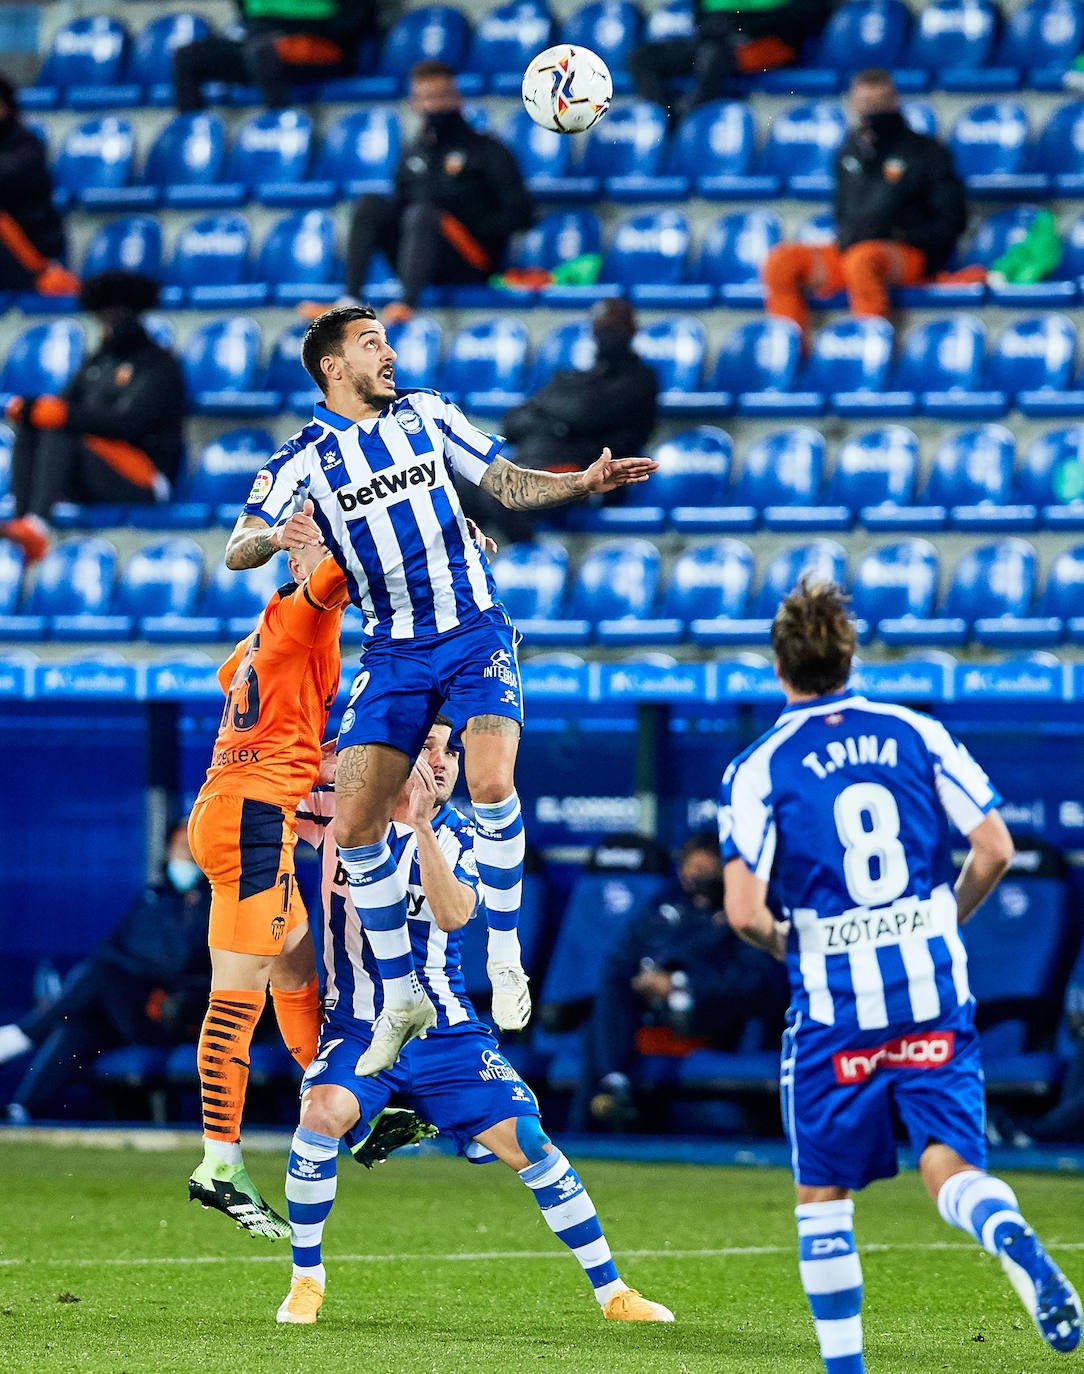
(874, 862)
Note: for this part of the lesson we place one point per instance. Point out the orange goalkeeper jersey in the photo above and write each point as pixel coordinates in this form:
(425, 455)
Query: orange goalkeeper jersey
(280, 683)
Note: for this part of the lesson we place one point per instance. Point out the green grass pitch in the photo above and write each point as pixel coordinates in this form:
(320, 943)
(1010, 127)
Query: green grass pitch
(437, 1265)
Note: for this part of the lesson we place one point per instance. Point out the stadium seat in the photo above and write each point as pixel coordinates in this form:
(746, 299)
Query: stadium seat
(41, 360)
(1039, 40)
(151, 62)
(417, 345)
(709, 586)
(626, 153)
(801, 147)
(611, 28)
(545, 159)
(991, 586)
(286, 375)
(615, 589)
(226, 610)
(675, 349)
(733, 252)
(271, 149)
(84, 67)
(758, 362)
(940, 372)
(159, 582)
(210, 266)
(715, 151)
(557, 237)
(187, 164)
(73, 592)
(486, 366)
(874, 474)
(823, 559)
(1063, 594)
(688, 489)
(94, 166)
(222, 475)
(566, 346)
(860, 34)
(971, 478)
(1032, 363)
(221, 365)
(994, 237)
(530, 580)
(989, 145)
(131, 244)
(1060, 149)
(357, 156)
(505, 40)
(649, 258)
(847, 367)
(1051, 477)
(895, 584)
(11, 578)
(951, 42)
(298, 259)
(781, 477)
(432, 33)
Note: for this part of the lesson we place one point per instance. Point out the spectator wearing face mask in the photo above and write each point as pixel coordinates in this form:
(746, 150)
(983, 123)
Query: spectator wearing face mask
(146, 983)
(678, 979)
(899, 211)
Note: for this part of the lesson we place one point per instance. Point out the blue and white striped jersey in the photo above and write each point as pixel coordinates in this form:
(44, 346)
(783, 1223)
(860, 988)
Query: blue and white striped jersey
(843, 807)
(387, 506)
(352, 985)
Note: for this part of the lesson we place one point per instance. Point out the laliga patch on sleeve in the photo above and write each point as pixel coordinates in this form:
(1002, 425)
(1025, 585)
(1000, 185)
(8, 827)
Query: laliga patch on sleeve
(260, 487)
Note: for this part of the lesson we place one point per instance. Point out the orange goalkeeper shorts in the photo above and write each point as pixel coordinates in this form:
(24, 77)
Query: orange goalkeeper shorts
(246, 849)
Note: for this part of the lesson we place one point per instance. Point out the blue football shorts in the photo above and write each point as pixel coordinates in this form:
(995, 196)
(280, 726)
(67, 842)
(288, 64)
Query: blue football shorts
(842, 1096)
(456, 1079)
(402, 684)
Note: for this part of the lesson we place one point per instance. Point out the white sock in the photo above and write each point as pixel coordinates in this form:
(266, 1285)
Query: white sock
(13, 1042)
(503, 947)
(317, 1273)
(222, 1151)
(980, 1204)
(832, 1278)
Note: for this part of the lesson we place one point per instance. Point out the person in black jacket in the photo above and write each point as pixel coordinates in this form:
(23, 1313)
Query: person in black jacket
(899, 210)
(31, 231)
(146, 983)
(116, 432)
(564, 425)
(277, 43)
(459, 197)
(680, 970)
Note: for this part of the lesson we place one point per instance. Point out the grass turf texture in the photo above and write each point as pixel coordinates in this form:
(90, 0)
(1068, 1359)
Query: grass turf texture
(437, 1265)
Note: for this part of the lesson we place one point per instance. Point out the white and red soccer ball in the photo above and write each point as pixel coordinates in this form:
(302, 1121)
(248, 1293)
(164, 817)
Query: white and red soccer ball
(567, 89)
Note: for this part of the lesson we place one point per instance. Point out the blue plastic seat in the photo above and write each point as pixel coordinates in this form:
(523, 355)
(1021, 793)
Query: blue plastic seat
(995, 236)
(649, 258)
(432, 33)
(689, 487)
(615, 589)
(627, 151)
(210, 265)
(715, 151)
(1040, 39)
(557, 237)
(568, 346)
(611, 28)
(545, 159)
(1051, 477)
(996, 580)
(990, 148)
(758, 363)
(418, 344)
(187, 163)
(160, 582)
(781, 477)
(971, 473)
(848, 366)
(298, 258)
(41, 360)
(875, 473)
(675, 349)
(505, 40)
(226, 609)
(270, 149)
(801, 148)
(11, 577)
(84, 67)
(709, 585)
(952, 37)
(861, 34)
(358, 155)
(222, 475)
(151, 62)
(221, 361)
(733, 252)
(1063, 594)
(94, 165)
(1060, 149)
(1032, 363)
(130, 244)
(895, 583)
(823, 560)
(941, 372)
(286, 375)
(531, 580)
(73, 591)
(486, 366)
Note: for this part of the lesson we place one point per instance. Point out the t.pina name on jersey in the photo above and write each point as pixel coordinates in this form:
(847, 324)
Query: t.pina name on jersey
(851, 751)
(387, 485)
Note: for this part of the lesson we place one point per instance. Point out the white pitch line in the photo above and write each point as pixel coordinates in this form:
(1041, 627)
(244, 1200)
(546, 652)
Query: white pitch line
(482, 1256)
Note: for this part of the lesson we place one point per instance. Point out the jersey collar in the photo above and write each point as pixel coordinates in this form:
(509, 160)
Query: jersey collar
(819, 703)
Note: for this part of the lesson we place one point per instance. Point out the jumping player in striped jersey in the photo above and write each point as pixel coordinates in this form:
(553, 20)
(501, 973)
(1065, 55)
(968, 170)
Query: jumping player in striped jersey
(456, 1077)
(844, 809)
(380, 465)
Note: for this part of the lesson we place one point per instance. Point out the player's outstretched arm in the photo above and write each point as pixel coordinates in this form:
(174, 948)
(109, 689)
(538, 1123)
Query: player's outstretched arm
(525, 489)
(253, 542)
(986, 864)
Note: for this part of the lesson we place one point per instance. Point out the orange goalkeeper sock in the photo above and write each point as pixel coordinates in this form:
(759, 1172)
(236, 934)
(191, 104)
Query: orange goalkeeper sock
(299, 1016)
(224, 1043)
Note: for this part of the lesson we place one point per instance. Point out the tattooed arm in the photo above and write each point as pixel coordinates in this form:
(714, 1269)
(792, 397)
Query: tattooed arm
(525, 489)
(253, 542)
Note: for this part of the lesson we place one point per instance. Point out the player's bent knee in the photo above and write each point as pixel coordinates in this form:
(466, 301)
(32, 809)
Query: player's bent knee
(329, 1110)
(531, 1138)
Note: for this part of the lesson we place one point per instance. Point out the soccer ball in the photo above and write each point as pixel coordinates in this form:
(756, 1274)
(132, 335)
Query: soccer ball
(567, 89)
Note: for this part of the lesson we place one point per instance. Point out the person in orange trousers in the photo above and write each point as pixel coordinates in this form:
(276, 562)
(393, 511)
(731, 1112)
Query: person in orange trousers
(899, 210)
